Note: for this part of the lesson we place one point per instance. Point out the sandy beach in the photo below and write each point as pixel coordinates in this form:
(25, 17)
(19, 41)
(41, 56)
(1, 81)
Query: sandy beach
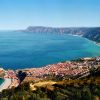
(5, 84)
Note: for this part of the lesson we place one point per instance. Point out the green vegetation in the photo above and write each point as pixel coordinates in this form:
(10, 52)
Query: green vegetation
(87, 88)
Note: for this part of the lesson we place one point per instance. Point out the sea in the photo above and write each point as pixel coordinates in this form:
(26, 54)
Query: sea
(1, 81)
(20, 50)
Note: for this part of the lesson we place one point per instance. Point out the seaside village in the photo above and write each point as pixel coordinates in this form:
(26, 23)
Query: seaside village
(11, 79)
(66, 70)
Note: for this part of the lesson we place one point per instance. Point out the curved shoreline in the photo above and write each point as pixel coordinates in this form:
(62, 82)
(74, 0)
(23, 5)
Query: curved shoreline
(5, 84)
(96, 43)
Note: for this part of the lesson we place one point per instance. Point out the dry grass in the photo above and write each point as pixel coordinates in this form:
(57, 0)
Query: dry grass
(41, 84)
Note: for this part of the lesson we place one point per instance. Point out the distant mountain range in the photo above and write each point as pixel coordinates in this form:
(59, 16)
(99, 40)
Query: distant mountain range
(92, 33)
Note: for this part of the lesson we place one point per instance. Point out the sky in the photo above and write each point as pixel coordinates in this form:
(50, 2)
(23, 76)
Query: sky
(19, 14)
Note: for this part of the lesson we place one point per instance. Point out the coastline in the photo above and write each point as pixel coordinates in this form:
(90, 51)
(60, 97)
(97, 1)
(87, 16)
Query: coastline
(5, 84)
(97, 43)
(8, 81)
(13, 81)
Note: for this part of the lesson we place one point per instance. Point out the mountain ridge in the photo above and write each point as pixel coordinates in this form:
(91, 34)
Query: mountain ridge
(91, 33)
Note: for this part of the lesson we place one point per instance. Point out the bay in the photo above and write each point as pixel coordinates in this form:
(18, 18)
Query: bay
(20, 50)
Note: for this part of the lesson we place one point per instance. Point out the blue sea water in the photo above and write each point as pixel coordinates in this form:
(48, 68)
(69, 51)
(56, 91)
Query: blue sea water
(24, 50)
(1, 81)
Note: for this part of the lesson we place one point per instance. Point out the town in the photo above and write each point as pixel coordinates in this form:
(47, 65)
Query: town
(63, 70)
(69, 69)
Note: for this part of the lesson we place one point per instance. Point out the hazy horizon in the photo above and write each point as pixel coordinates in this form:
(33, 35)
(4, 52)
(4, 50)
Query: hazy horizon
(49, 27)
(19, 14)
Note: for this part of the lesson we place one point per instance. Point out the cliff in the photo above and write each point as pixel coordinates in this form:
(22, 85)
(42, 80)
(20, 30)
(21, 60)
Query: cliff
(87, 32)
(93, 34)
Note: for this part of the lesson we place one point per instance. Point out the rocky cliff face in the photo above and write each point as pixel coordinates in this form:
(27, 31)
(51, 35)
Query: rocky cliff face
(93, 34)
(40, 29)
(90, 33)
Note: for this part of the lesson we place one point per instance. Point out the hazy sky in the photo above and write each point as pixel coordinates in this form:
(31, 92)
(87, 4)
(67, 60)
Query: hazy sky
(19, 14)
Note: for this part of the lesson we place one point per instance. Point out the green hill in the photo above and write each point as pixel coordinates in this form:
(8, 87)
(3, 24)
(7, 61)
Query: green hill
(87, 88)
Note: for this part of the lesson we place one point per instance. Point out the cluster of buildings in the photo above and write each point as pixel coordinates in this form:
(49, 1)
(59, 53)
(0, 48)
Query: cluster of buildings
(10, 79)
(70, 69)
(10, 74)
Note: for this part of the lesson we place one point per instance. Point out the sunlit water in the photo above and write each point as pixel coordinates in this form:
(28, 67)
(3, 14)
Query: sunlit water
(23, 50)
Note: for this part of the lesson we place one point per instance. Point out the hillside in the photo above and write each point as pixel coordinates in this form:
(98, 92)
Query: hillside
(90, 33)
(87, 88)
(93, 34)
(71, 80)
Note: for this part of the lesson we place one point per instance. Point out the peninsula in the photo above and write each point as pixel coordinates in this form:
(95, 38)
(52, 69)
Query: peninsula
(92, 33)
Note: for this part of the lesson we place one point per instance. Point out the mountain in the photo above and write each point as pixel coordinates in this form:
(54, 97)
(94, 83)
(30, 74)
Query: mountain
(64, 30)
(87, 32)
(93, 34)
